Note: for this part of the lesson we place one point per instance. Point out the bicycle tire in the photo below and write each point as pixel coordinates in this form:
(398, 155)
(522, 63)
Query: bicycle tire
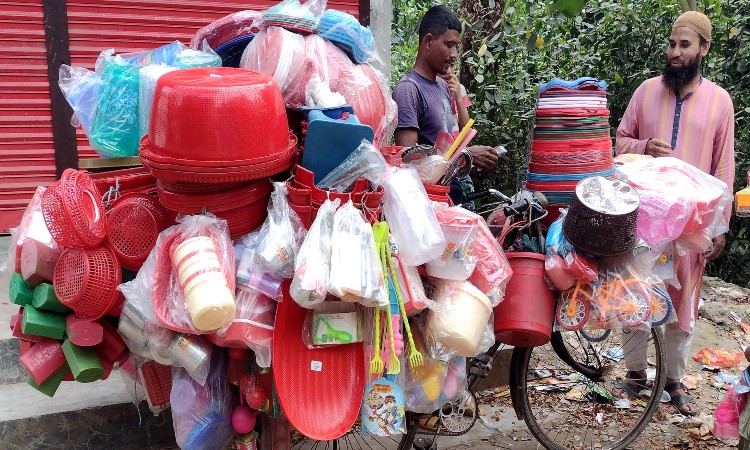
(520, 364)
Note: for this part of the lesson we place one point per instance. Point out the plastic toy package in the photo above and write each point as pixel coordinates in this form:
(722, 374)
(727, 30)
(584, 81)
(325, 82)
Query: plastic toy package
(332, 323)
(492, 270)
(356, 271)
(313, 263)
(460, 228)
(564, 264)
(280, 236)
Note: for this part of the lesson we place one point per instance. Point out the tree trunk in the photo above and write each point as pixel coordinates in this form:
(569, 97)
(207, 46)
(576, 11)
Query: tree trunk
(472, 11)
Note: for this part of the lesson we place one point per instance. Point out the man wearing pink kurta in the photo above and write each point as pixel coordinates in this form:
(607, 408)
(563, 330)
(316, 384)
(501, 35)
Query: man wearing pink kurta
(684, 115)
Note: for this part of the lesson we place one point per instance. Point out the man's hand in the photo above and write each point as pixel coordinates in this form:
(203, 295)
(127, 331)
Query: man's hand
(454, 86)
(718, 245)
(657, 148)
(484, 157)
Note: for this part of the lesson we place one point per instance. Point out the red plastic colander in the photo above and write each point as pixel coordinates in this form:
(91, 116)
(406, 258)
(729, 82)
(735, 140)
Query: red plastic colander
(157, 382)
(73, 211)
(133, 230)
(86, 280)
(320, 390)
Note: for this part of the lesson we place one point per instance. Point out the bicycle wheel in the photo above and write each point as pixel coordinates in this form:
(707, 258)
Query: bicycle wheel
(572, 317)
(353, 440)
(570, 405)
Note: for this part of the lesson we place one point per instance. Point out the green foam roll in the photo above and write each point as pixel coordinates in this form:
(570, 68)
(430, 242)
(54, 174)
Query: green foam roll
(50, 386)
(44, 298)
(42, 323)
(20, 292)
(83, 362)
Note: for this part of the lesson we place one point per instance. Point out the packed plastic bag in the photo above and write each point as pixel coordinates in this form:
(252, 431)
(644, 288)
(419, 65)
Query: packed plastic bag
(201, 415)
(250, 274)
(460, 228)
(279, 53)
(194, 275)
(458, 322)
(80, 87)
(364, 162)
(492, 271)
(280, 236)
(294, 16)
(332, 323)
(205, 57)
(166, 54)
(412, 288)
(727, 415)
(229, 27)
(411, 217)
(423, 384)
(345, 31)
(356, 270)
(678, 202)
(148, 76)
(564, 264)
(114, 132)
(312, 266)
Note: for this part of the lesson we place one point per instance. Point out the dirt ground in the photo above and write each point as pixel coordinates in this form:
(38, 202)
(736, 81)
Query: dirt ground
(716, 328)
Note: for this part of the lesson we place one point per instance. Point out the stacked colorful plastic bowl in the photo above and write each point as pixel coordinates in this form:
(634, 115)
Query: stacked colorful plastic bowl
(571, 139)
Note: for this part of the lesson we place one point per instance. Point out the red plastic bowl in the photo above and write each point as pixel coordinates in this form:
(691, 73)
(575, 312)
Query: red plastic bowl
(218, 114)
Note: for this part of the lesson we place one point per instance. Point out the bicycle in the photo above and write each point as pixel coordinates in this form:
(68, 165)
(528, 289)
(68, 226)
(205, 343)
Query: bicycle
(562, 390)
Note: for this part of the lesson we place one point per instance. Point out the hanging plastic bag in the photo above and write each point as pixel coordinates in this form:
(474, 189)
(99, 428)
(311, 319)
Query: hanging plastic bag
(423, 384)
(356, 270)
(492, 271)
(364, 162)
(114, 132)
(80, 87)
(280, 236)
(312, 266)
(147, 78)
(460, 228)
(332, 323)
(276, 52)
(411, 217)
(252, 275)
(201, 415)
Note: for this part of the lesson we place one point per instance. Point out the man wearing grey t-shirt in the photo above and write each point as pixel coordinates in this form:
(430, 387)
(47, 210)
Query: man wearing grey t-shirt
(424, 99)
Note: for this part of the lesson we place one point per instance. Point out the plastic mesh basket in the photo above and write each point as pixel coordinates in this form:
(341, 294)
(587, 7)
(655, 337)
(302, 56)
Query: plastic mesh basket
(84, 207)
(133, 230)
(56, 217)
(157, 382)
(86, 280)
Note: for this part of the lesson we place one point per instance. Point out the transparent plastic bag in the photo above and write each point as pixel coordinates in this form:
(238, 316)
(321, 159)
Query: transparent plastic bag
(412, 289)
(194, 275)
(201, 415)
(252, 275)
(229, 27)
(356, 270)
(148, 76)
(678, 202)
(332, 323)
(458, 321)
(727, 415)
(364, 162)
(411, 218)
(312, 266)
(318, 94)
(294, 16)
(460, 228)
(564, 264)
(279, 53)
(492, 271)
(205, 57)
(423, 384)
(147, 337)
(80, 87)
(114, 131)
(165, 54)
(280, 236)
(345, 31)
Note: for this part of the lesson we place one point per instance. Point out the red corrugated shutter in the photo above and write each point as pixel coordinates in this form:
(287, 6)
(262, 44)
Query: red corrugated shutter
(27, 156)
(135, 25)
(26, 145)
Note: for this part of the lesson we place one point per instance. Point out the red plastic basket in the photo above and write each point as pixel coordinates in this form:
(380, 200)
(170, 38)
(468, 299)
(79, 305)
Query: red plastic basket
(133, 230)
(157, 382)
(73, 212)
(195, 188)
(86, 280)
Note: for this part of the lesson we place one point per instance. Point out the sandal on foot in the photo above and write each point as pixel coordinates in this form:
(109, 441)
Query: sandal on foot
(680, 400)
(631, 385)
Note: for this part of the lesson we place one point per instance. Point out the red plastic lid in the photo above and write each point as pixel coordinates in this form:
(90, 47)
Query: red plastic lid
(320, 390)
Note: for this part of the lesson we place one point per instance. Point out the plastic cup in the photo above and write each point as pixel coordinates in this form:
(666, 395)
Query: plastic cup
(211, 306)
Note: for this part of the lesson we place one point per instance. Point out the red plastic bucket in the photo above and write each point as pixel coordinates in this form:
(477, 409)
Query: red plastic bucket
(524, 318)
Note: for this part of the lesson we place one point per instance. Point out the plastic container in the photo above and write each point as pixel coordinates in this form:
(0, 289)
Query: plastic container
(457, 261)
(209, 300)
(524, 318)
(86, 281)
(460, 317)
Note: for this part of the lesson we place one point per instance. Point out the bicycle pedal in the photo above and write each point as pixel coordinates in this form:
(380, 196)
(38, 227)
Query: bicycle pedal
(424, 444)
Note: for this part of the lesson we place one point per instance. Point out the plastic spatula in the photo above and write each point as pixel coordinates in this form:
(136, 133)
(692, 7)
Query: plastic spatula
(320, 390)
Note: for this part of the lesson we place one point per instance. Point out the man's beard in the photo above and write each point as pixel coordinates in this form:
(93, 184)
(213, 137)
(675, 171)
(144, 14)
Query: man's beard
(677, 77)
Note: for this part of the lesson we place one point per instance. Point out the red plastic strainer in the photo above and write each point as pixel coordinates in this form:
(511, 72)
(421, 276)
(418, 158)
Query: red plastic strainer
(86, 280)
(133, 231)
(320, 390)
(157, 382)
